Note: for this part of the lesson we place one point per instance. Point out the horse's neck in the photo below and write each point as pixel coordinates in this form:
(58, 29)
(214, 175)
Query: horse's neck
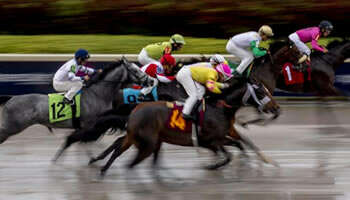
(100, 92)
(171, 91)
(337, 58)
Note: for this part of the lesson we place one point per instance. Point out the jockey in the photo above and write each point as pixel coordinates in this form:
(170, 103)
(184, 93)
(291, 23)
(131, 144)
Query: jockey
(154, 52)
(65, 79)
(159, 71)
(246, 46)
(311, 34)
(193, 77)
(217, 59)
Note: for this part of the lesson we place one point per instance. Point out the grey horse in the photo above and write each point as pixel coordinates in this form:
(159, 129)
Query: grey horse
(22, 111)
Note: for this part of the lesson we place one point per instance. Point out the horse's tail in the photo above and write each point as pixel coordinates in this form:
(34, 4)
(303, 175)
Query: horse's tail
(121, 110)
(102, 125)
(4, 99)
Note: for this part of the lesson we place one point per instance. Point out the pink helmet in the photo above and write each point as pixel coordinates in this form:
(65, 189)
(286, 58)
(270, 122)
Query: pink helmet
(225, 70)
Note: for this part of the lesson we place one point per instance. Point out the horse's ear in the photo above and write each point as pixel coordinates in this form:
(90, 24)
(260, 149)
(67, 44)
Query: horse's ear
(125, 61)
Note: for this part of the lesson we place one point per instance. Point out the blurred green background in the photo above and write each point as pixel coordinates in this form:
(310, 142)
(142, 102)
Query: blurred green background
(124, 26)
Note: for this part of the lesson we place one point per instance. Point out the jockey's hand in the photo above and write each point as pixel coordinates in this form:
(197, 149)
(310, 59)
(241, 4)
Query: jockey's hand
(325, 50)
(86, 78)
(99, 71)
(268, 51)
(225, 85)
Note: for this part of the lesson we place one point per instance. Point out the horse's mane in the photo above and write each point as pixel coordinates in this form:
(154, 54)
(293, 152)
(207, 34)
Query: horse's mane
(336, 43)
(277, 45)
(331, 45)
(227, 94)
(274, 47)
(99, 76)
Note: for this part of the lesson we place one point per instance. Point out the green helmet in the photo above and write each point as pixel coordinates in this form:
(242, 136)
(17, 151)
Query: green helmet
(177, 38)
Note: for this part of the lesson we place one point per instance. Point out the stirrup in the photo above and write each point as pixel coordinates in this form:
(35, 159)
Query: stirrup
(67, 101)
(188, 117)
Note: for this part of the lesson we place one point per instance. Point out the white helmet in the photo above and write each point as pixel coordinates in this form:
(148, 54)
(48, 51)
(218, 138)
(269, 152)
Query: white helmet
(217, 59)
(267, 30)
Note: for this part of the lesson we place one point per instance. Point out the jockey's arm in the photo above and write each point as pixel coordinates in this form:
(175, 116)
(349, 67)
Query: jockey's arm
(165, 79)
(212, 85)
(315, 45)
(87, 70)
(73, 77)
(255, 49)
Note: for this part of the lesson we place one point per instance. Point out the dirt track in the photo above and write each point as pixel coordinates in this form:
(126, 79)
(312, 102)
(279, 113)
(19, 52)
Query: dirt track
(310, 141)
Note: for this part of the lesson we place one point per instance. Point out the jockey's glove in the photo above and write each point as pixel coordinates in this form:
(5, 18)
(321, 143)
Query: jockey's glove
(225, 85)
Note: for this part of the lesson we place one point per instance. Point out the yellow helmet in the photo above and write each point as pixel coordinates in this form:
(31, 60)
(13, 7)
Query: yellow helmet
(267, 30)
(177, 38)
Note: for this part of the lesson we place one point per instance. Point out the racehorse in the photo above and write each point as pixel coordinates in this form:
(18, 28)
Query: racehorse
(22, 111)
(268, 68)
(148, 134)
(165, 91)
(323, 68)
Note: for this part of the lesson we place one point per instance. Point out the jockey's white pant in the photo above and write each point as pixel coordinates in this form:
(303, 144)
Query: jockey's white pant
(300, 45)
(72, 87)
(147, 90)
(143, 57)
(194, 90)
(244, 55)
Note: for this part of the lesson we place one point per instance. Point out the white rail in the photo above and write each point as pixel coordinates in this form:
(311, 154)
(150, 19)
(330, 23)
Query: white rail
(94, 57)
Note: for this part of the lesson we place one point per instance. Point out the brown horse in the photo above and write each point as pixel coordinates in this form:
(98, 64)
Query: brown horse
(148, 135)
(268, 69)
(323, 68)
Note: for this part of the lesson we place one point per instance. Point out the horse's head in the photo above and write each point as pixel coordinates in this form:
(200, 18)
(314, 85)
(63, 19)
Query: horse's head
(254, 94)
(340, 48)
(283, 52)
(119, 73)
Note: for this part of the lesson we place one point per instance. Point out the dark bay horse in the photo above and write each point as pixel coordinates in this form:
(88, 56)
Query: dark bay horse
(268, 68)
(323, 68)
(23, 111)
(165, 91)
(147, 134)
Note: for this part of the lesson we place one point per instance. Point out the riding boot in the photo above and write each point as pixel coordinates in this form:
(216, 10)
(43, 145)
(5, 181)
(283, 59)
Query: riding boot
(193, 113)
(188, 117)
(67, 101)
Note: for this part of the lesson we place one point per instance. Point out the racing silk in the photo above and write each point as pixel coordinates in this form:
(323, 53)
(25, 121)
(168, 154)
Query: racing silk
(249, 40)
(311, 34)
(208, 77)
(156, 70)
(201, 64)
(157, 50)
(68, 71)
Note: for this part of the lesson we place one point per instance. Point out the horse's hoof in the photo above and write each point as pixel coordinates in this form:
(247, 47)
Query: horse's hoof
(243, 155)
(92, 160)
(54, 160)
(244, 125)
(211, 167)
(102, 173)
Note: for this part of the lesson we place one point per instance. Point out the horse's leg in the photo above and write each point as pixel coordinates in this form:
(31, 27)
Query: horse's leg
(145, 148)
(10, 130)
(235, 137)
(71, 139)
(19, 113)
(104, 154)
(156, 154)
(256, 149)
(236, 143)
(117, 152)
